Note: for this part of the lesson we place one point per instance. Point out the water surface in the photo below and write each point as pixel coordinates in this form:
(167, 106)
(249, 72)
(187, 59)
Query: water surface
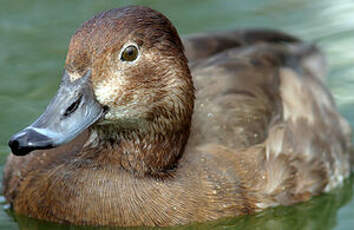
(34, 36)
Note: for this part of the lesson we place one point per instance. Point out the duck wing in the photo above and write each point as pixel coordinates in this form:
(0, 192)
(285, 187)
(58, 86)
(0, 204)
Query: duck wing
(268, 99)
(203, 45)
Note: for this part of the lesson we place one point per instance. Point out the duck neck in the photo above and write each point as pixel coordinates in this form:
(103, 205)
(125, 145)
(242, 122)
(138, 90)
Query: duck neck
(142, 153)
(152, 150)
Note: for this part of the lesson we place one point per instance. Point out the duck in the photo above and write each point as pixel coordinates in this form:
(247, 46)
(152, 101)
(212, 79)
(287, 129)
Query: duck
(148, 129)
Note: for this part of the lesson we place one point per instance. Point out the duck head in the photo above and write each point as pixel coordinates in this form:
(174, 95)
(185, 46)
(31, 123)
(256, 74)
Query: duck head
(125, 78)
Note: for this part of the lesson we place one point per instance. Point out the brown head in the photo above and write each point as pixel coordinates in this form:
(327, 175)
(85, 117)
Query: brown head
(126, 79)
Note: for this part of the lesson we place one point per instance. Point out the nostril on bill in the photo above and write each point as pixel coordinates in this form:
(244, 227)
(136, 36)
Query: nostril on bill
(72, 107)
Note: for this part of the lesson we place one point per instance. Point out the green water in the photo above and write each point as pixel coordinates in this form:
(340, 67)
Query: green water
(34, 36)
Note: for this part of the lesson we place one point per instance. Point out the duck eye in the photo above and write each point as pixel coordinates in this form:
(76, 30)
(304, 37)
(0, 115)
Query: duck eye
(129, 54)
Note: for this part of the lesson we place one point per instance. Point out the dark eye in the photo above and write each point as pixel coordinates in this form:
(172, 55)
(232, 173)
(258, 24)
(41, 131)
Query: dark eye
(130, 53)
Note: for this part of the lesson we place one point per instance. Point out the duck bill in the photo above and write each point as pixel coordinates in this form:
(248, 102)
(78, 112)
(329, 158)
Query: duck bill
(72, 110)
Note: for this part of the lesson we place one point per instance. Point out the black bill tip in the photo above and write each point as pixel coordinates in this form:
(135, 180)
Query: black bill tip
(28, 140)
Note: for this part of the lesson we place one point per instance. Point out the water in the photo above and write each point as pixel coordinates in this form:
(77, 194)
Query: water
(34, 36)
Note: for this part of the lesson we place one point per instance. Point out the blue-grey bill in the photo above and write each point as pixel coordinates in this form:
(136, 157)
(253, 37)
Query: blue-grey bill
(72, 110)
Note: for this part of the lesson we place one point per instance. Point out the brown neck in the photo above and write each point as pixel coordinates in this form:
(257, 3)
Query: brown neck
(141, 153)
(154, 150)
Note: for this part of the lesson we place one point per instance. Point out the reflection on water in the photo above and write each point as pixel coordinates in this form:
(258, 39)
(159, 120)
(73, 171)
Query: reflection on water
(35, 35)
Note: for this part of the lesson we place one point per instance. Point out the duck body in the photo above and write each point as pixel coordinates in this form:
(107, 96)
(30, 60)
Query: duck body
(263, 130)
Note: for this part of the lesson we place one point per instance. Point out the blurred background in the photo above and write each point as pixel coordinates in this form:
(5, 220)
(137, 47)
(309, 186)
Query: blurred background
(34, 36)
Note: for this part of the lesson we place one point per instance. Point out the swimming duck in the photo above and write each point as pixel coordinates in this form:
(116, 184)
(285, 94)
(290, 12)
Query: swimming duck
(137, 135)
